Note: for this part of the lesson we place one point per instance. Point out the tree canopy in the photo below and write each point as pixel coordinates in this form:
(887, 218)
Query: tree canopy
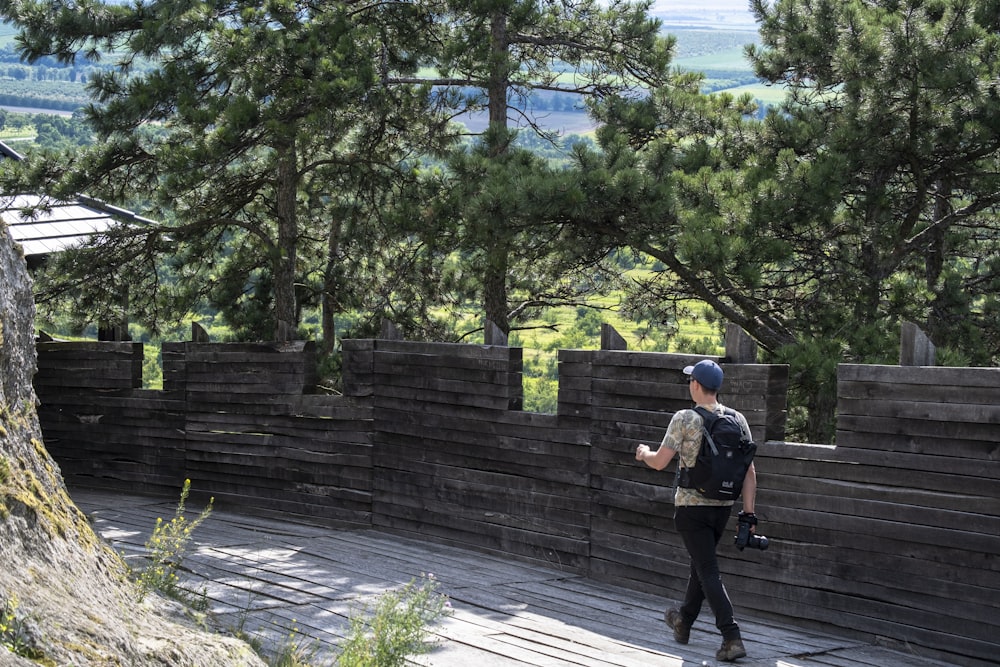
(494, 57)
(869, 198)
(256, 126)
(304, 155)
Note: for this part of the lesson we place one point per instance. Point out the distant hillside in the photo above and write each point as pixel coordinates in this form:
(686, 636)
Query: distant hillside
(711, 36)
(706, 14)
(7, 33)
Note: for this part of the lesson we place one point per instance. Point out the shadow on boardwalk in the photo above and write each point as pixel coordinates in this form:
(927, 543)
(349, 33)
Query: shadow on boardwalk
(268, 577)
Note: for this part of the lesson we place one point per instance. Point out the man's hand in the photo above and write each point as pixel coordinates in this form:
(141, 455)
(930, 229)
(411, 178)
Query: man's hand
(640, 452)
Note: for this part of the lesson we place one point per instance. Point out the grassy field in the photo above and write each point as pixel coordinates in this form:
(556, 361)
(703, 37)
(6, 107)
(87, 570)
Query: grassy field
(730, 59)
(8, 133)
(565, 329)
(569, 328)
(770, 95)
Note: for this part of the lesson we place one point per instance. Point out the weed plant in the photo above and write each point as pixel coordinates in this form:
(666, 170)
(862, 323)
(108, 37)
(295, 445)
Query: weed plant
(386, 635)
(167, 547)
(397, 627)
(15, 635)
(295, 651)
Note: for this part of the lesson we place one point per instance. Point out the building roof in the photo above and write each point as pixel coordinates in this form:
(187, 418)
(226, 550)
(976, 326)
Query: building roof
(42, 226)
(8, 152)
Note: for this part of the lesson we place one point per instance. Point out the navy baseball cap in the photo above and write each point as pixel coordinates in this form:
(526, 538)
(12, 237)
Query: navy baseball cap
(707, 373)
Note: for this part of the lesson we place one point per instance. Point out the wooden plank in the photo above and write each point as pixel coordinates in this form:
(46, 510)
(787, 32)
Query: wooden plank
(874, 427)
(389, 410)
(967, 411)
(245, 351)
(476, 365)
(542, 548)
(450, 350)
(873, 390)
(970, 378)
(408, 395)
(248, 367)
(537, 613)
(523, 438)
(466, 463)
(428, 386)
(482, 506)
(652, 360)
(943, 473)
(854, 565)
(920, 538)
(524, 494)
(943, 492)
(293, 463)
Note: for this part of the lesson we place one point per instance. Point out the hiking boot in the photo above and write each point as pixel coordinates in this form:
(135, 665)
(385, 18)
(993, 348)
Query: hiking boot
(682, 631)
(731, 650)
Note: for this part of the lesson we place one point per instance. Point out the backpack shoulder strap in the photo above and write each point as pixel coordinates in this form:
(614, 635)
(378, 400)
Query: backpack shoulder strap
(707, 420)
(707, 416)
(747, 435)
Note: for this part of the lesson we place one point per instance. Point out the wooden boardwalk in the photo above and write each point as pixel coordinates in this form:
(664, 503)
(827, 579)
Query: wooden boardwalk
(270, 579)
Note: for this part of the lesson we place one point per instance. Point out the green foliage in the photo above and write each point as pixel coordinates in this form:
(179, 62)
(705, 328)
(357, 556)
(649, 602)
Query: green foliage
(15, 632)
(152, 367)
(508, 211)
(56, 95)
(271, 157)
(541, 394)
(807, 228)
(396, 628)
(690, 345)
(812, 389)
(325, 183)
(166, 550)
(294, 651)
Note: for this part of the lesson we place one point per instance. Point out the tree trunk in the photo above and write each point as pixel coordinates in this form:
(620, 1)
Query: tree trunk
(331, 289)
(495, 299)
(495, 287)
(286, 212)
(498, 84)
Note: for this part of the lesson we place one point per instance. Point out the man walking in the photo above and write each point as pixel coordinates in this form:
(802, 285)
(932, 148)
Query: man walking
(701, 521)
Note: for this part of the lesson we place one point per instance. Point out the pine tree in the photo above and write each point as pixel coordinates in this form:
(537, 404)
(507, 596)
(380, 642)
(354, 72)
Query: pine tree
(494, 56)
(254, 122)
(867, 199)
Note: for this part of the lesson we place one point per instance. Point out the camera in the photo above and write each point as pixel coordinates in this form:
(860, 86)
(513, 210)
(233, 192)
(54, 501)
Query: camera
(744, 538)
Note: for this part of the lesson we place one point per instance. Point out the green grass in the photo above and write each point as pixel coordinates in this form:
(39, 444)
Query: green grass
(565, 329)
(730, 59)
(557, 327)
(27, 132)
(772, 95)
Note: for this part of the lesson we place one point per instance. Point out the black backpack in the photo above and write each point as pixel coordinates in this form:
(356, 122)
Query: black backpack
(726, 454)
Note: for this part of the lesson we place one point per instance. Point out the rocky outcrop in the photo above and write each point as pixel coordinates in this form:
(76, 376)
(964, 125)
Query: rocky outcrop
(75, 604)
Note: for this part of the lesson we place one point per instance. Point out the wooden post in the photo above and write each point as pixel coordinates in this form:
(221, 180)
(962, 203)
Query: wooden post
(493, 335)
(740, 347)
(389, 331)
(198, 333)
(611, 339)
(116, 332)
(915, 348)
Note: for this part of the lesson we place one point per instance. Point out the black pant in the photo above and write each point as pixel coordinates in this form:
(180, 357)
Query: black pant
(701, 528)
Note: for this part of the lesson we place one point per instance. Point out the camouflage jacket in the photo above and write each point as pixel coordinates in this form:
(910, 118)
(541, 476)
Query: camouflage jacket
(684, 437)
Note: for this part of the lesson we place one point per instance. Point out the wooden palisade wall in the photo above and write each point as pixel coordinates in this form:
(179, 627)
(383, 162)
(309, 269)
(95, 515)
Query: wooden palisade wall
(895, 532)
